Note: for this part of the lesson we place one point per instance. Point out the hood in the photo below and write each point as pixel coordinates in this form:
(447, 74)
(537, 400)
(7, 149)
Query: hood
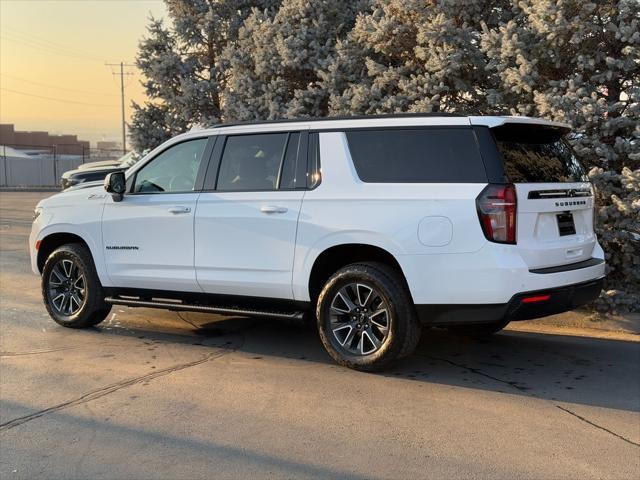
(85, 185)
(74, 195)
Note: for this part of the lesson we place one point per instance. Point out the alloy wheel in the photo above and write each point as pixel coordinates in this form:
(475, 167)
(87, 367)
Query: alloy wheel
(359, 319)
(67, 287)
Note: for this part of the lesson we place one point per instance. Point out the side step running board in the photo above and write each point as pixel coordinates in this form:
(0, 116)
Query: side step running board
(202, 308)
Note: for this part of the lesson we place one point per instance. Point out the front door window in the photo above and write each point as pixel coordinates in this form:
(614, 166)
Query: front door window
(172, 171)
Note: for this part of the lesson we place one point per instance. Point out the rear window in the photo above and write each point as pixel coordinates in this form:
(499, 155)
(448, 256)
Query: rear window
(537, 155)
(428, 155)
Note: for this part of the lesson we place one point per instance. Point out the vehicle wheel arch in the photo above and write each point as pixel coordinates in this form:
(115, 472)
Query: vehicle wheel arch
(332, 258)
(50, 242)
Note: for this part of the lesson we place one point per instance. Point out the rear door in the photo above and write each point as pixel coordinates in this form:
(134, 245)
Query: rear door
(554, 196)
(246, 219)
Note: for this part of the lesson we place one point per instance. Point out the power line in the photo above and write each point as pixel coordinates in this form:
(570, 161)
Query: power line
(29, 34)
(23, 36)
(48, 49)
(56, 99)
(56, 87)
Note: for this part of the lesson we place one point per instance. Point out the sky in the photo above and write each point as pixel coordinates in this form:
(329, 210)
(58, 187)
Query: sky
(52, 63)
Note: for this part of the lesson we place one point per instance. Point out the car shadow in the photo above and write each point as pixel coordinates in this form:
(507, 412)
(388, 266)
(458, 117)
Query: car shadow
(581, 370)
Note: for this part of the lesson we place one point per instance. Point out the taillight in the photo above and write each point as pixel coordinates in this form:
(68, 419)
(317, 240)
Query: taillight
(497, 212)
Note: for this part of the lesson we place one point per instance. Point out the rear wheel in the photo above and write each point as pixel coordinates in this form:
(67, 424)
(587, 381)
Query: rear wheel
(366, 318)
(71, 289)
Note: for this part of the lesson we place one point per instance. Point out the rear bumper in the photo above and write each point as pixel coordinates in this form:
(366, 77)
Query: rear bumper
(560, 299)
(492, 275)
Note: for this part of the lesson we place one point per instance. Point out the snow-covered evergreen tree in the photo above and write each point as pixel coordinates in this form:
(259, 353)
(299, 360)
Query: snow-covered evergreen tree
(183, 68)
(573, 61)
(276, 62)
(413, 55)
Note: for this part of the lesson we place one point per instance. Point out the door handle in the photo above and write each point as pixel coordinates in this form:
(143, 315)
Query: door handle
(179, 209)
(272, 209)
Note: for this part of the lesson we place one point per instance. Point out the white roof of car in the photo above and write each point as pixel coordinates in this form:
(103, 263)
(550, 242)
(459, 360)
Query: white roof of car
(408, 120)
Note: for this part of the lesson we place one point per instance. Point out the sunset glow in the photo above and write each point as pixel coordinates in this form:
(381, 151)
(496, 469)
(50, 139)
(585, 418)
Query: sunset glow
(52, 63)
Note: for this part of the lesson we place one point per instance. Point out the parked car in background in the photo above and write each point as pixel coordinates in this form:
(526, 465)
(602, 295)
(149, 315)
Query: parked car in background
(89, 172)
(103, 163)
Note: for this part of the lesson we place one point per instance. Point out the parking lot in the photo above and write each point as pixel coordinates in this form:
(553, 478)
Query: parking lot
(154, 394)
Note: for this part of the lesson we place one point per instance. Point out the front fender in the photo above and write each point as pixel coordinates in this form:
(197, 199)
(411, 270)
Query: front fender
(94, 244)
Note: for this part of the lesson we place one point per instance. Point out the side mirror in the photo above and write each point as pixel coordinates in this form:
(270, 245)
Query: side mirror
(115, 184)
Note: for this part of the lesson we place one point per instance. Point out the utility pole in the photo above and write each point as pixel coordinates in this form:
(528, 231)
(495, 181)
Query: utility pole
(122, 74)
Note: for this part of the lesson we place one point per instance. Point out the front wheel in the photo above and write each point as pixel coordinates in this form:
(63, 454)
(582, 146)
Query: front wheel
(366, 318)
(71, 289)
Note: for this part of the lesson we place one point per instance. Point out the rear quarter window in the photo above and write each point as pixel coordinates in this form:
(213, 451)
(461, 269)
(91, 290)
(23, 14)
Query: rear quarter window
(422, 155)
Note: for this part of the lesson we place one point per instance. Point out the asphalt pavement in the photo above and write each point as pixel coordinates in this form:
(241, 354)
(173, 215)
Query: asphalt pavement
(154, 394)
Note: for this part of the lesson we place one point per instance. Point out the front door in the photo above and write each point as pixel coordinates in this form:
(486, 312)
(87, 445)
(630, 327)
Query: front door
(148, 236)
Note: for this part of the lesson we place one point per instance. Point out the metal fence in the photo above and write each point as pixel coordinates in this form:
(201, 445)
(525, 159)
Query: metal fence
(38, 166)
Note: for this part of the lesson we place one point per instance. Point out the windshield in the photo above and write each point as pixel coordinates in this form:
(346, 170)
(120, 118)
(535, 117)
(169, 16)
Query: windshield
(533, 154)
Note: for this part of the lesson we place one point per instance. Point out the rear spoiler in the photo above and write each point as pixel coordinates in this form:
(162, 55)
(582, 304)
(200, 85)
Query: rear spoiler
(493, 122)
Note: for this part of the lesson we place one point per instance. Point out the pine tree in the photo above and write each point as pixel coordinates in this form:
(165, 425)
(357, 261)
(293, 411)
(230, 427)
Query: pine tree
(276, 62)
(412, 55)
(577, 62)
(183, 68)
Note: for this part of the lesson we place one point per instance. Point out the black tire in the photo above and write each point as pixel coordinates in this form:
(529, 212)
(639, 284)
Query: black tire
(403, 332)
(87, 307)
(479, 330)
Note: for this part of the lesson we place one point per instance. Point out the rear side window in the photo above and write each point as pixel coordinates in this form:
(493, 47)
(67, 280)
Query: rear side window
(533, 154)
(427, 155)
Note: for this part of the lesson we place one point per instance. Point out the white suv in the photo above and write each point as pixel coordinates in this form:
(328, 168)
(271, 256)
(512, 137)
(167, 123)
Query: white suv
(374, 225)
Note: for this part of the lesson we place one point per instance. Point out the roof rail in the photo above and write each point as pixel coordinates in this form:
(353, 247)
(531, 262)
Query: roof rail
(345, 117)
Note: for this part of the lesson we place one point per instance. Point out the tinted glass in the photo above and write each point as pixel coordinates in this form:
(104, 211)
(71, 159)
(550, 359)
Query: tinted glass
(251, 162)
(537, 155)
(288, 174)
(174, 170)
(426, 155)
